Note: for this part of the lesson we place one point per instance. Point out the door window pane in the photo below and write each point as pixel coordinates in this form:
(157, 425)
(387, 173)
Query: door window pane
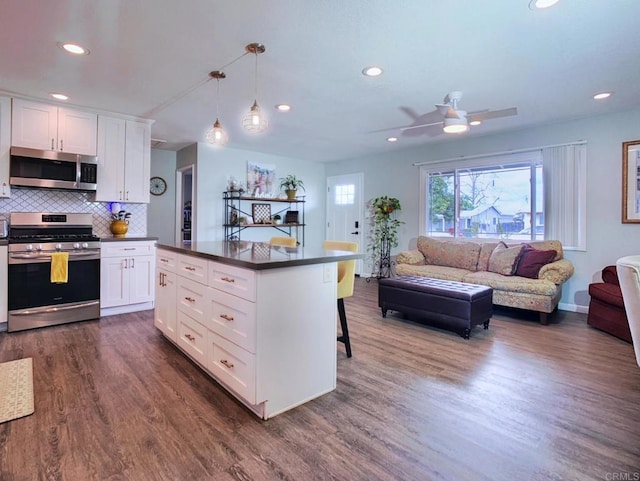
(345, 194)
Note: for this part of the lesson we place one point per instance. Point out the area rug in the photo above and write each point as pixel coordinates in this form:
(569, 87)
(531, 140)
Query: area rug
(16, 389)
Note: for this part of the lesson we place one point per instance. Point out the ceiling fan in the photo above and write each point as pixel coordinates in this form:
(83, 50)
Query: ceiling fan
(449, 117)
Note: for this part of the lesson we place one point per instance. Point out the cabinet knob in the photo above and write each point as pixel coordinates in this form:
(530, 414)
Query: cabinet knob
(61, 146)
(228, 279)
(189, 268)
(226, 363)
(53, 144)
(226, 317)
(190, 299)
(190, 337)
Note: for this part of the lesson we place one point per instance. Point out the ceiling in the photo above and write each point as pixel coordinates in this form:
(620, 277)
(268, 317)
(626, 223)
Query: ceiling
(152, 58)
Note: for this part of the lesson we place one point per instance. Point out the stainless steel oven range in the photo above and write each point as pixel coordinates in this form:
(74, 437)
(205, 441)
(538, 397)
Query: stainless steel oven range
(35, 301)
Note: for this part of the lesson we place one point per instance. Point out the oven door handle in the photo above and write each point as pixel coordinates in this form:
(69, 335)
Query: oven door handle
(41, 257)
(40, 310)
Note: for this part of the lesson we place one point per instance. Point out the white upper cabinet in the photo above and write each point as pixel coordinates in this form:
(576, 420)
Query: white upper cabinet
(5, 145)
(48, 127)
(124, 160)
(137, 161)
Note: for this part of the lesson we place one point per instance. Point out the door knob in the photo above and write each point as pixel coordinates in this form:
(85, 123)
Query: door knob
(356, 232)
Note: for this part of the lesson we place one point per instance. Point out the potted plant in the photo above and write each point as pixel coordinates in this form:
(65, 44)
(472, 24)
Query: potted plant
(291, 184)
(277, 219)
(383, 234)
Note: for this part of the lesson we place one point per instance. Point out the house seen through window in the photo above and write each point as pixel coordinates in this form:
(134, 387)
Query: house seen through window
(488, 199)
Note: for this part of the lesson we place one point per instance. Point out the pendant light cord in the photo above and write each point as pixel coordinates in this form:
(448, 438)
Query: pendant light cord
(184, 93)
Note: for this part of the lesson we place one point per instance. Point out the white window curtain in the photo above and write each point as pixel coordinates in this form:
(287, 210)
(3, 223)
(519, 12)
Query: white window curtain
(565, 183)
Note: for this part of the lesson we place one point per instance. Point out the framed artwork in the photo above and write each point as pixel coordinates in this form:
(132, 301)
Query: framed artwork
(261, 180)
(631, 182)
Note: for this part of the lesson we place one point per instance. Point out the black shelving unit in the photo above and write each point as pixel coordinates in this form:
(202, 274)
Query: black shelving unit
(237, 207)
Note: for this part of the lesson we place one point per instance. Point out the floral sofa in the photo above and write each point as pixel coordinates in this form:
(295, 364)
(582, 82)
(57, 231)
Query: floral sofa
(522, 275)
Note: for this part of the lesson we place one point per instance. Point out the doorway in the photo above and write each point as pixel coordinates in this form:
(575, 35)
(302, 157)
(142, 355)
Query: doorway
(345, 211)
(185, 204)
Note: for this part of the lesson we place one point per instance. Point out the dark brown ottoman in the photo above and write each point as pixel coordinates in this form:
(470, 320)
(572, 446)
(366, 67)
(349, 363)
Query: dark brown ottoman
(457, 306)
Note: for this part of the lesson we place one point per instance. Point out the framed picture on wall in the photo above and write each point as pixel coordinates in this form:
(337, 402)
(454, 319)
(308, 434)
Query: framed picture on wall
(631, 182)
(261, 179)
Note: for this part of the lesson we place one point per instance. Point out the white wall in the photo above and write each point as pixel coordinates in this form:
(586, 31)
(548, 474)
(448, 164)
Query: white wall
(607, 238)
(161, 210)
(214, 165)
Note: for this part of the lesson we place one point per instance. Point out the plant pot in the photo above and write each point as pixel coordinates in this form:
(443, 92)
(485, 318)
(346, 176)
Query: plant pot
(119, 228)
(291, 194)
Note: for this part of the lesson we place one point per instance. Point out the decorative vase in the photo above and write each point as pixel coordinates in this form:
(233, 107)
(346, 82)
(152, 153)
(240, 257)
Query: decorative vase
(291, 194)
(119, 228)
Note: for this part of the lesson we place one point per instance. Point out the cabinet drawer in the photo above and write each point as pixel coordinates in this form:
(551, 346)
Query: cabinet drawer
(193, 338)
(233, 366)
(193, 298)
(234, 280)
(126, 248)
(193, 268)
(233, 318)
(166, 260)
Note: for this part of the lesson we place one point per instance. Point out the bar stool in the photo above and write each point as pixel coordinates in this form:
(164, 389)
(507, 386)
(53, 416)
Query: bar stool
(283, 241)
(346, 280)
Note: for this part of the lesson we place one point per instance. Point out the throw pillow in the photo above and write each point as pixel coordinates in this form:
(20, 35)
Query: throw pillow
(504, 259)
(532, 260)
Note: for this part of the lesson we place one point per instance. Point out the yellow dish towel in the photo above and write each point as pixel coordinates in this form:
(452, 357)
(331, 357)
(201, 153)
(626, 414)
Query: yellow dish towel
(59, 267)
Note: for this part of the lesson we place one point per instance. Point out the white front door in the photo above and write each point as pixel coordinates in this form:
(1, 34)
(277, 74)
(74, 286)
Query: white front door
(345, 211)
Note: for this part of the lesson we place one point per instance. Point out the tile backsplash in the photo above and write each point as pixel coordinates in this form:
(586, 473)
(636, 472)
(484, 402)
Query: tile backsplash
(47, 200)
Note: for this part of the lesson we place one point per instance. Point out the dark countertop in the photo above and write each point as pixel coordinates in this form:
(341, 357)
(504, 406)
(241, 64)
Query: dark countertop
(259, 255)
(122, 239)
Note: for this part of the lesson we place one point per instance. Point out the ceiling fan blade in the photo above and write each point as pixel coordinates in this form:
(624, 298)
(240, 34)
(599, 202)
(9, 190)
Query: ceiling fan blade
(430, 130)
(492, 114)
(410, 112)
(420, 126)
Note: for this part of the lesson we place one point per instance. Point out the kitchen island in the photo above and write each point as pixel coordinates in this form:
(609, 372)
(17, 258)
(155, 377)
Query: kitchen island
(259, 319)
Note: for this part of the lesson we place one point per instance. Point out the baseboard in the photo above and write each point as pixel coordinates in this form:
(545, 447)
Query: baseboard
(573, 308)
(111, 311)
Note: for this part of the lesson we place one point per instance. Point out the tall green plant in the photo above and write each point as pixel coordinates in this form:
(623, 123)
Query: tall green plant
(383, 228)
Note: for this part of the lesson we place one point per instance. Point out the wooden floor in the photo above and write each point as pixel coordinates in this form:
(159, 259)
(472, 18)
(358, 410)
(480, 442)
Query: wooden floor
(114, 400)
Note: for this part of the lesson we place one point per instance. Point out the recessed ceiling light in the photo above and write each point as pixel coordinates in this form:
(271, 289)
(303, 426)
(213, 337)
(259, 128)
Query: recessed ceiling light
(283, 107)
(73, 48)
(602, 95)
(540, 4)
(475, 122)
(59, 96)
(392, 139)
(372, 71)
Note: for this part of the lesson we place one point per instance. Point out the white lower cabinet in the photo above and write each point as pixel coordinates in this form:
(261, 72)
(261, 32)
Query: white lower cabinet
(233, 323)
(192, 338)
(234, 366)
(165, 314)
(127, 271)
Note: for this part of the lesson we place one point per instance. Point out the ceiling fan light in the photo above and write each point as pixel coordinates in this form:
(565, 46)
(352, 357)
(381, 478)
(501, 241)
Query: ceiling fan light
(254, 121)
(540, 4)
(217, 135)
(475, 122)
(455, 126)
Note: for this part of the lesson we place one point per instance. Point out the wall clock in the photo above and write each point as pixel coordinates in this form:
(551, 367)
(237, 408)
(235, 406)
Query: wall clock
(158, 186)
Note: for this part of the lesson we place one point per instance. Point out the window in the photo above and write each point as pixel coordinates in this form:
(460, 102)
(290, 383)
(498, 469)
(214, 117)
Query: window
(509, 196)
(345, 194)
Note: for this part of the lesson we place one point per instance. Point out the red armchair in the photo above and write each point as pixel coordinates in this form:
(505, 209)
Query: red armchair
(606, 308)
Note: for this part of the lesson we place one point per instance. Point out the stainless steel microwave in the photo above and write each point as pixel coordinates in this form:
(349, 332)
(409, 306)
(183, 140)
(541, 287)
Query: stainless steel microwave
(53, 169)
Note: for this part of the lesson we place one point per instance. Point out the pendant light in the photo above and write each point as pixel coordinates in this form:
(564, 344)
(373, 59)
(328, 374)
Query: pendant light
(255, 121)
(217, 135)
